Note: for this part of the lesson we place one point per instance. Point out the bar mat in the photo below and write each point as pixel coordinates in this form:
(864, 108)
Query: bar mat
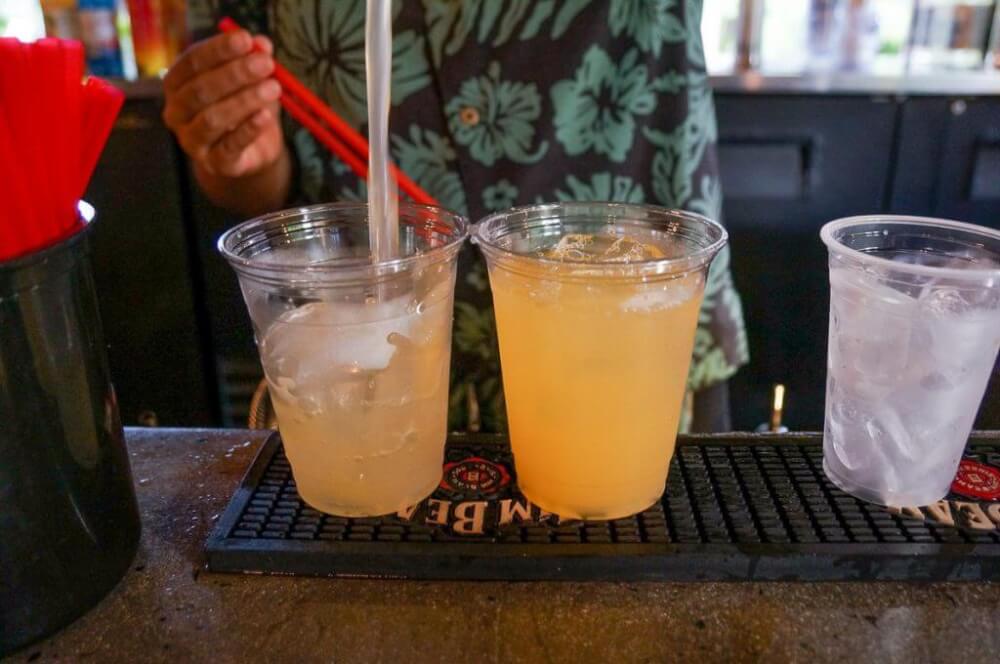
(736, 507)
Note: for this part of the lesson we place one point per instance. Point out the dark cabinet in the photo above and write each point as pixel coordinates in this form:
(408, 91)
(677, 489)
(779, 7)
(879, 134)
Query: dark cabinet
(147, 276)
(789, 164)
(949, 159)
(234, 359)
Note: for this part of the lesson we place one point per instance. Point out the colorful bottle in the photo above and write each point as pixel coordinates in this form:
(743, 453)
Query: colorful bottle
(99, 33)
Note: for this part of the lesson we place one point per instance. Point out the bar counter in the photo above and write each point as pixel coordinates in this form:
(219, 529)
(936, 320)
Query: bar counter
(168, 609)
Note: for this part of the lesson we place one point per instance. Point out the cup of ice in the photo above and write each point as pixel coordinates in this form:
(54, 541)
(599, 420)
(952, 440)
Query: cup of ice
(914, 333)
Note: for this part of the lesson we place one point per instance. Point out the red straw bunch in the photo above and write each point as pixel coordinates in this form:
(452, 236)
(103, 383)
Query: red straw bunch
(53, 126)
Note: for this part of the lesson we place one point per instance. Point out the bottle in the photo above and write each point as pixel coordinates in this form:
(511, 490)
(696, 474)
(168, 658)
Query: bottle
(61, 20)
(123, 26)
(176, 25)
(21, 19)
(860, 41)
(148, 33)
(826, 32)
(106, 36)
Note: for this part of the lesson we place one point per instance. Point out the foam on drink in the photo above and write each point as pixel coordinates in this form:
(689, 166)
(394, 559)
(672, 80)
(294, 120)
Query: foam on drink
(587, 248)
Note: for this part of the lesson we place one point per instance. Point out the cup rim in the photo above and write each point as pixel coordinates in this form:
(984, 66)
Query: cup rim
(395, 265)
(690, 261)
(827, 235)
(87, 214)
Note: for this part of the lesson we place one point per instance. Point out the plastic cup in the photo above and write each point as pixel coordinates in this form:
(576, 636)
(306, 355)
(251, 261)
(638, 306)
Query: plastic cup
(356, 353)
(595, 354)
(914, 332)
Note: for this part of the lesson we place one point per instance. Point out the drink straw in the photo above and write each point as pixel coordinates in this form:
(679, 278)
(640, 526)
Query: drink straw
(101, 103)
(383, 215)
(72, 52)
(14, 94)
(14, 221)
(307, 101)
(49, 82)
(315, 128)
(52, 129)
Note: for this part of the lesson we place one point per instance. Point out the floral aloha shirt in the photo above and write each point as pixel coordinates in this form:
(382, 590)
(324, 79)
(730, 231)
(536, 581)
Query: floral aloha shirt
(498, 103)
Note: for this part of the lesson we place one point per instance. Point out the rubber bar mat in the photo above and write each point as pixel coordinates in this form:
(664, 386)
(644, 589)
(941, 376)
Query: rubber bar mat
(736, 507)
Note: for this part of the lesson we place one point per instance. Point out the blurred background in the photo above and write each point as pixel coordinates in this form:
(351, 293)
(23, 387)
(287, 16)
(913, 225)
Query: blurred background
(875, 37)
(826, 108)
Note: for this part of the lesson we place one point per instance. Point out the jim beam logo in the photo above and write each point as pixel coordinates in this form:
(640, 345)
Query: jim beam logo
(974, 480)
(475, 477)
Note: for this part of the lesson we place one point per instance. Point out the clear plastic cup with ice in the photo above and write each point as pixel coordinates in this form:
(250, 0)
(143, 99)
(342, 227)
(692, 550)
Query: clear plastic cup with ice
(355, 351)
(914, 333)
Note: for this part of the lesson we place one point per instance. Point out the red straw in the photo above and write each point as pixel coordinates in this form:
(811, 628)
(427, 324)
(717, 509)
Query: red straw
(14, 232)
(101, 103)
(17, 95)
(359, 167)
(54, 143)
(52, 129)
(302, 99)
(72, 57)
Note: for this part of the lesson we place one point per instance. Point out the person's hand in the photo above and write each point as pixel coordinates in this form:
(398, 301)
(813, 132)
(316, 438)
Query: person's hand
(222, 104)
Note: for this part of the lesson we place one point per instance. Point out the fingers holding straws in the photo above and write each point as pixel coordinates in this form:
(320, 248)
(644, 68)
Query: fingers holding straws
(222, 104)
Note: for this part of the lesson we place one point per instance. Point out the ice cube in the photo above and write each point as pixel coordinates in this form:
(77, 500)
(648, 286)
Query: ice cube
(295, 254)
(415, 372)
(579, 247)
(867, 437)
(663, 295)
(324, 355)
(325, 334)
(888, 432)
(850, 453)
(628, 250)
(958, 341)
(936, 413)
(937, 301)
(572, 247)
(281, 388)
(871, 327)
